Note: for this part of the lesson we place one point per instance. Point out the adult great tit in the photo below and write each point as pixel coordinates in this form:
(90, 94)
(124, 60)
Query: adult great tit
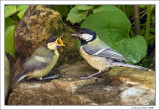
(98, 54)
(42, 61)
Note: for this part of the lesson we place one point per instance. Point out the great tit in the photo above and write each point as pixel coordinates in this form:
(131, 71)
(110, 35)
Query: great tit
(42, 61)
(98, 54)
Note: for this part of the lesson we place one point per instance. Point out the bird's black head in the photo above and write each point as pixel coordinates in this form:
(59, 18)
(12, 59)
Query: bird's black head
(85, 35)
(53, 42)
(51, 39)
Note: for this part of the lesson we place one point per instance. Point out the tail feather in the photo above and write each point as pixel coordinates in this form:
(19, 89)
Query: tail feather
(20, 77)
(129, 65)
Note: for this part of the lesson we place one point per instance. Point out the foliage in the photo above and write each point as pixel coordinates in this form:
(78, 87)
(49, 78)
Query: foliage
(113, 26)
(62, 9)
(9, 10)
(76, 15)
(13, 13)
(22, 9)
(9, 41)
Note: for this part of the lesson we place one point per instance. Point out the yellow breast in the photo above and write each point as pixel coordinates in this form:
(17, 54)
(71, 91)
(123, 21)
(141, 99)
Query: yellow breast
(46, 70)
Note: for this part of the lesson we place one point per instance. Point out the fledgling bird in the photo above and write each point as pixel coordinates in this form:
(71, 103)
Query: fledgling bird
(42, 61)
(98, 54)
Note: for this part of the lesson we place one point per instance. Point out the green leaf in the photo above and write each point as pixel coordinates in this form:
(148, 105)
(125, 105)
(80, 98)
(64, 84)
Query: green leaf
(20, 14)
(133, 48)
(113, 26)
(8, 21)
(76, 15)
(108, 19)
(111, 36)
(62, 9)
(10, 41)
(129, 10)
(84, 7)
(22, 9)
(10, 10)
(152, 7)
(129, 47)
(106, 7)
(142, 6)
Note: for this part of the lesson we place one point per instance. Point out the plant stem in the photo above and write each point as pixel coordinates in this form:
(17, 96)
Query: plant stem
(143, 15)
(136, 19)
(142, 12)
(148, 22)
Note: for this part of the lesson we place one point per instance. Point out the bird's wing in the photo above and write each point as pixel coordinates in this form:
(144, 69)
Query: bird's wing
(104, 52)
(38, 61)
(34, 63)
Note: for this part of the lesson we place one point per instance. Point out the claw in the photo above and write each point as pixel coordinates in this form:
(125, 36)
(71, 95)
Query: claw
(51, 77)
(88, 77)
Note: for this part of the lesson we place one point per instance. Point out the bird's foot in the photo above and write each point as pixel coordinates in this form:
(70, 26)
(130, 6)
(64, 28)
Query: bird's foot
(88, 77)
(51, 77)
(92, 76)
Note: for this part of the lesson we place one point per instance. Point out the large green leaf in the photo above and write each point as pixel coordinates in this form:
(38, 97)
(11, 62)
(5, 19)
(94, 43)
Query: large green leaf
(111, 36)
(22, 9)
(84, 7)
(10, 41)
(9, 10)
(106, 7)
(133, 48)
(110, 19)
(76, 15)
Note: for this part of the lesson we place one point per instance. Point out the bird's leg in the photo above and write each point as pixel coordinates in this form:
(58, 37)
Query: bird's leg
(50, 77)
(91, 76)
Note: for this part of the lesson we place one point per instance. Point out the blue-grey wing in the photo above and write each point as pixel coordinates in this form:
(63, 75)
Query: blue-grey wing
(38, 61)
(104, 52)
(32, 64)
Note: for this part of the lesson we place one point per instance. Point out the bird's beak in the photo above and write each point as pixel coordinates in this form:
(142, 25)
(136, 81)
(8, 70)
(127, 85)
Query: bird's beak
(75, 34)
(59, 42)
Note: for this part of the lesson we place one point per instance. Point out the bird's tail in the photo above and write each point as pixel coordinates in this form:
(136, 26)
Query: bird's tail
(19, 77)
(129, 65)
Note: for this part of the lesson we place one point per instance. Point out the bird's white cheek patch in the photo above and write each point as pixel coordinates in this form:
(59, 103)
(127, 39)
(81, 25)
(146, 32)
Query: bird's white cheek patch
(87, 37)
(51, 45)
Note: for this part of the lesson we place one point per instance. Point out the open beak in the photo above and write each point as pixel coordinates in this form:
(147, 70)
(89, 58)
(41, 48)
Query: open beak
(59, 41)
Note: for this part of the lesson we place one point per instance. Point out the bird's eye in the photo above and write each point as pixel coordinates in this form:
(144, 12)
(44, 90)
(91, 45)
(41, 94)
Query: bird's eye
(81, 32)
